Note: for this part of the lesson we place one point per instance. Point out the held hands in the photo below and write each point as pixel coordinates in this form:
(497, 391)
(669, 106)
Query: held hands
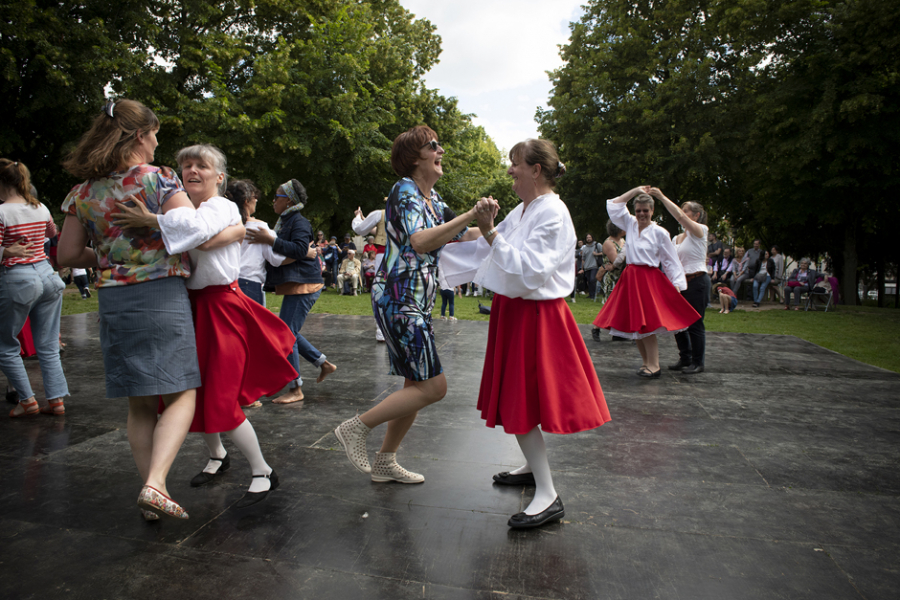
(657, 193)
(358, 212)
(641, 189)
(485, 212)
(260, 236)
(134, 217)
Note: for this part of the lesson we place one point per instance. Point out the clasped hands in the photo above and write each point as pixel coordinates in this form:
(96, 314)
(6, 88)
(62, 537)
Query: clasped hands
(646, 189)
(485, 212)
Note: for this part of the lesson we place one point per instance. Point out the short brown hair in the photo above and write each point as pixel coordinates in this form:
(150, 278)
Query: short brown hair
(406, 149)
(540, 152)
(645, 199)
(110, 140)
(17, 176)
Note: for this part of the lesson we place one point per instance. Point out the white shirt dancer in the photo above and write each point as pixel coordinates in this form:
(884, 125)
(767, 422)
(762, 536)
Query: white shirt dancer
(361, 226)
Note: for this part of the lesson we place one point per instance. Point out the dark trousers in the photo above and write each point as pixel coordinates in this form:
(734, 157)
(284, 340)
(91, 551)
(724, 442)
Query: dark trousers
(692, 343)
(82, 282)
(446, 298)
(590, 276)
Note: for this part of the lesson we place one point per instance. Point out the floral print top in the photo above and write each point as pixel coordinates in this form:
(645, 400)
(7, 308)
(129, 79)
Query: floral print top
(127, 256)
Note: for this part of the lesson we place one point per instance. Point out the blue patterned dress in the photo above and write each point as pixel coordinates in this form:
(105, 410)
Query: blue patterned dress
(406, 283)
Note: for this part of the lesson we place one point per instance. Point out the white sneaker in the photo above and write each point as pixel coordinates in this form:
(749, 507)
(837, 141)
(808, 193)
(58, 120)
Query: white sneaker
(386, 469)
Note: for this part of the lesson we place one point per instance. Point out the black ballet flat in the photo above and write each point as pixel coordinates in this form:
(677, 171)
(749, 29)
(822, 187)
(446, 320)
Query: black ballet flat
(554, 512)
(251, 498)
(506, 478)
(203, 477)
(645, 372)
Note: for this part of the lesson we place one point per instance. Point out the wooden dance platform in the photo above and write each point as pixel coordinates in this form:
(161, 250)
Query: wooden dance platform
(774, 474)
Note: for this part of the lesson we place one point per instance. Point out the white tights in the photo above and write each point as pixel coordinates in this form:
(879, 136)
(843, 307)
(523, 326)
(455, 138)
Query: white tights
(532, 445)
(244, 437)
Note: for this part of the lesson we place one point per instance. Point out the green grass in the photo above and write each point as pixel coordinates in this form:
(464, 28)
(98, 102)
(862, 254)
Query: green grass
(867, 334)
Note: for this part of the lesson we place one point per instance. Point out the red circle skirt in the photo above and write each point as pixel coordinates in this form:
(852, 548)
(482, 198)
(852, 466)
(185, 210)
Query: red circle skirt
(537, 370)
(243, 351)
(26, 341)
(644, 303)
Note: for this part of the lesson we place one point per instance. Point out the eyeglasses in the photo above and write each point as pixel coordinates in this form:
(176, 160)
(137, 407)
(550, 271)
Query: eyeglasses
(641, 210)
(280, 196)
(434, 145)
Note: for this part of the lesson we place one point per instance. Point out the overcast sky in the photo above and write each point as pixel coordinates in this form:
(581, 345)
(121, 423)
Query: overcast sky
(495, 57)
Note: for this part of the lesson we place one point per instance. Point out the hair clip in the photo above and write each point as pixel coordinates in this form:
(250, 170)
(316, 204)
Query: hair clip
(109, 108)
(559, 168)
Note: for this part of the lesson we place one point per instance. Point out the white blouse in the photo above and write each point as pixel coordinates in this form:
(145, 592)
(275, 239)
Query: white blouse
(651, 247)
(530, 258)
(362, 226)
(183, 230)
(255, 256)
(692, 251)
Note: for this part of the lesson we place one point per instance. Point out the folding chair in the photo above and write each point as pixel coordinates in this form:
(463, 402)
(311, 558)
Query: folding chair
(828, 297)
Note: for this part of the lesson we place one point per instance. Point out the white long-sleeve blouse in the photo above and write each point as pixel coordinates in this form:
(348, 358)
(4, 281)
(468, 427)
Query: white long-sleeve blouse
(651, 247)
(530, 258)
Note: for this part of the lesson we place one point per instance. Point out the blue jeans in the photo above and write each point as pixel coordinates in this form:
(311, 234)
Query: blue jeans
(446, 297)
(253, 290)
(34, 291)
(293, 312)
(759, 290)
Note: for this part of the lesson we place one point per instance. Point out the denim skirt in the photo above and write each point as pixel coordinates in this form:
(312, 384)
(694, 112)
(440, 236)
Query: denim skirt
(147, 337)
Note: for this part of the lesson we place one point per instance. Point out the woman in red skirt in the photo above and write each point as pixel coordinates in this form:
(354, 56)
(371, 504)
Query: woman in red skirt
(242, 347)
(537, 374)
(645, 302)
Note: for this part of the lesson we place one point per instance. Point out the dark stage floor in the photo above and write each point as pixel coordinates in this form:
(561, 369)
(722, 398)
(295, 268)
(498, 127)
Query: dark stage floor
(772, 475)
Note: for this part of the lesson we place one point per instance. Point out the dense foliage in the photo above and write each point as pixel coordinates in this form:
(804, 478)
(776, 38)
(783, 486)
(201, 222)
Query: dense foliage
(782, 117)
(311, 89)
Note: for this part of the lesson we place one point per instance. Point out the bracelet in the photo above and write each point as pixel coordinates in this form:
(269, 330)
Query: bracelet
(491, 232)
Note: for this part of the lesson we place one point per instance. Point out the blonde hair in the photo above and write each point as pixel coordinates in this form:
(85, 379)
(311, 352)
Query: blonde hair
(209, 154)
(16, 175)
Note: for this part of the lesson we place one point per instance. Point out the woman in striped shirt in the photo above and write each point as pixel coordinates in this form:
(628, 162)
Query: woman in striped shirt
(29, 288)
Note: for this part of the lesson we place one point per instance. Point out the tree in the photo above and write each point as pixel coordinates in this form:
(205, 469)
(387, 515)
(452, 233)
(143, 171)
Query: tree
(771, 114)
(309, 89)
(56, 59)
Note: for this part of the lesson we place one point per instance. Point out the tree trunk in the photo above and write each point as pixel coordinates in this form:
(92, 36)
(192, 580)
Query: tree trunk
(849, 289)
(879, 278)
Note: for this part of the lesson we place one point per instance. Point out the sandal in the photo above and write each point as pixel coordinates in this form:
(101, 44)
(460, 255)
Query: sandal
(25, 409)
(54, 408)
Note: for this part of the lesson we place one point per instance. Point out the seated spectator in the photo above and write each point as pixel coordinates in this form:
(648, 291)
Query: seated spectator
(347, 246)
(778, 276)
(762, 279)
(749, 267)
(349, 272)
(370, 245)
(368, 267)
(722, 268)
(801, 281)
(727, 300)
(715, 249)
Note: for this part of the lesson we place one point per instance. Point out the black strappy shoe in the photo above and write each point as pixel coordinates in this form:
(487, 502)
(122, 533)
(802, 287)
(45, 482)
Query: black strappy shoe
(251, 498)
(203, 477)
